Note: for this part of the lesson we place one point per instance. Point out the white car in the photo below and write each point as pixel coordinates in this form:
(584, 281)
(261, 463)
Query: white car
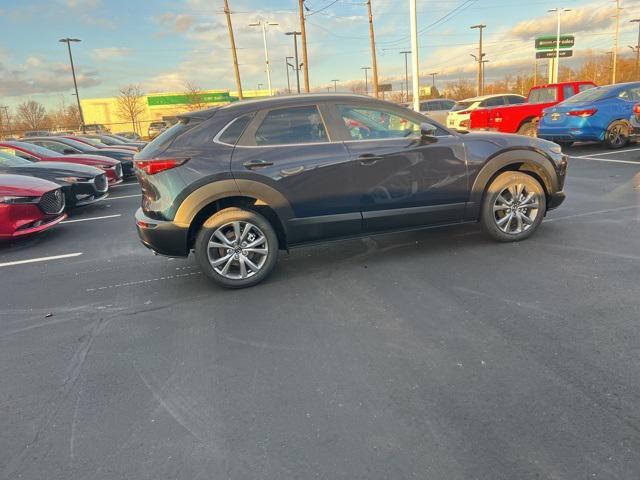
(459, 116)
(437, 108)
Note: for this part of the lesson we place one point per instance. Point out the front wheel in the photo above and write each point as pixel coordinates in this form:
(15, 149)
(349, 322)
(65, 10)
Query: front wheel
(617, 135)
(513, 207)
(236, 248)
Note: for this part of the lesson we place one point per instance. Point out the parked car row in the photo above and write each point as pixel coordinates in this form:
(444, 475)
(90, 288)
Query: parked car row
(39, 185)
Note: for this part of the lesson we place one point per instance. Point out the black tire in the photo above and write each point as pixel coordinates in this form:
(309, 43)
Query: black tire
(491, 217)
(223, 221)
(617, 135)
(528, 129)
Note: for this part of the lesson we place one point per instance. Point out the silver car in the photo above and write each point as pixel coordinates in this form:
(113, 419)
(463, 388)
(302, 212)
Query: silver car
(437, 108)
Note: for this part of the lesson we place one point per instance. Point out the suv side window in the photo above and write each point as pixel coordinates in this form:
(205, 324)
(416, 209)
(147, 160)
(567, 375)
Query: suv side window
(234, 129)
(287, 126)
(447, 104)
(584, 86)
(567, 91)
(494, 102)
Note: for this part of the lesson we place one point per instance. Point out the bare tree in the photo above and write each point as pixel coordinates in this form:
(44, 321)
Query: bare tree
(130, 105)
(358, 87)
(193, 97)
(33, 114)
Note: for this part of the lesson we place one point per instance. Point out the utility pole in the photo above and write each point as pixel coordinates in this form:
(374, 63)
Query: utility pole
(295, 53)
(615, 43)
(535, 71)
(287, 65)
(73, 72)
(610, 67)
(335, 84)
(637, 49)
(433, 78)
(374, 61)
(406, 71)
(480, 88)
(366, 84)
(415, 67)
(264, 24)
(303, 34)
(234, 54)
(483, 70)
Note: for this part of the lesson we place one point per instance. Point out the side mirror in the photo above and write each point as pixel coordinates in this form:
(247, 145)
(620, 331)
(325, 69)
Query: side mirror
(428, 132)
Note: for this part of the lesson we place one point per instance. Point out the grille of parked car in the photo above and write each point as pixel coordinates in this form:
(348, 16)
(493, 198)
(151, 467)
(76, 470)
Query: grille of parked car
(52, 203)
(100, 183)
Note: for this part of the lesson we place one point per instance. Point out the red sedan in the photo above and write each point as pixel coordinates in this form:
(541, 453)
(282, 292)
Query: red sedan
(28, 205)
(35, 153)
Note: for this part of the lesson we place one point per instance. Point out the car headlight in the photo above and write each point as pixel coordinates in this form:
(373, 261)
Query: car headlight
(71, 179)
(19, 200)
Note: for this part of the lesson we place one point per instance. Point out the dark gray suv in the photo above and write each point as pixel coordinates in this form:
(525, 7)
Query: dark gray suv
(236, 184)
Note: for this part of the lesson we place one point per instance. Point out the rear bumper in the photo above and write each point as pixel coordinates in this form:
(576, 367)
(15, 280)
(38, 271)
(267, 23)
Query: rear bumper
(569, 134)
(163, 237)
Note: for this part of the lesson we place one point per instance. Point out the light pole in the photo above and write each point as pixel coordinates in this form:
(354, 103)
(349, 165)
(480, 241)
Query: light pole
(415, 67)
(295, 53)
(366, 81)
(287, 65)
(406, 71)
(264, 24)
(479, 58)
(556, 66)
(637, 49)
(335, 84)
(73, 72)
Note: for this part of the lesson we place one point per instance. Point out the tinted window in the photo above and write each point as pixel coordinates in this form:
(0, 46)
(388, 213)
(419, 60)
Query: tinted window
(427, 106)
(462, 106)
(594, 94)
(232, 132)
(11, 158)
(43, 152)
(567, 91)
(544, 95)
(447, 104)
(494, 102)
(630, 94)
(55, 146)
(286, 126)
(166, 138)
(515, 100)
(584, 86)
(371, 123)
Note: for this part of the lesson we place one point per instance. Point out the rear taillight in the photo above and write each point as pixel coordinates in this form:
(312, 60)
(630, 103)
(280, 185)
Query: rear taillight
(464, 112)
(151, 167)
(582, 113)
(636, 109)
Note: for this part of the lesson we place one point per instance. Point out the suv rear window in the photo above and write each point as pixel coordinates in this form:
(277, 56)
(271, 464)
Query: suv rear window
(162, 141)
(544, 95)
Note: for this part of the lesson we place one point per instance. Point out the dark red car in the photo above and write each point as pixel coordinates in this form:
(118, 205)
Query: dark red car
(29, 151)
(28, 205)
(98, 144)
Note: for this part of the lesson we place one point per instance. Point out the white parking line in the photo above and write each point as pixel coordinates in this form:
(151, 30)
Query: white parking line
(41, 259)
(122, 196)
(609, 153)
(595, 212)
(92, 218)
(608, 160)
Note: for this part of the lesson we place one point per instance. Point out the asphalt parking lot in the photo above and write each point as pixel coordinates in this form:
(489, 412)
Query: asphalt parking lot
(429, 355)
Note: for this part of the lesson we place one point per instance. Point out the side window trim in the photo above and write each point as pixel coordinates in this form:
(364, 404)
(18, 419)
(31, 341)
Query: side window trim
(245, 140)
(216, 139)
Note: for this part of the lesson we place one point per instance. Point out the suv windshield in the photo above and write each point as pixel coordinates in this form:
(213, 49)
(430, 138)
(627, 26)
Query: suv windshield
(9, 160)
(38, 150)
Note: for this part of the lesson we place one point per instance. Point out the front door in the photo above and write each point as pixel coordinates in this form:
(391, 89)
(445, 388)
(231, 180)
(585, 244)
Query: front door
(291, 150)
(402, 180)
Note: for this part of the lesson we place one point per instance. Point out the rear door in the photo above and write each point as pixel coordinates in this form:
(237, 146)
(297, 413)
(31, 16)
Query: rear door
(292, 149)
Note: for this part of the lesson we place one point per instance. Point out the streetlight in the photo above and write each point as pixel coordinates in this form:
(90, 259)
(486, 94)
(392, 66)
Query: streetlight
(637, 49)
(295, 50)
(264, 24)
(366, 81)
(287, 65)
(73, 72)
(556, 65)
(406, 71)
(335, 84)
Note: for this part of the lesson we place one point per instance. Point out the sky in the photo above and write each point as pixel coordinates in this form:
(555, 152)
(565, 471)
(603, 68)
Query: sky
(162, 44)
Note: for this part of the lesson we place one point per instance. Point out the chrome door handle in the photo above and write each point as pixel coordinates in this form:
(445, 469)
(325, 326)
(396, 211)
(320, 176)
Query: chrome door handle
(257, 164)
(292, 171)
(368, 159)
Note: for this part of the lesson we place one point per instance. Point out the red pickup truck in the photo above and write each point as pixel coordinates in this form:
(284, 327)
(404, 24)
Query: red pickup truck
(523, 118)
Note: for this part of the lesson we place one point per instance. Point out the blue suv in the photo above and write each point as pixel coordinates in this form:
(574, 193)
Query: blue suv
(599, 114)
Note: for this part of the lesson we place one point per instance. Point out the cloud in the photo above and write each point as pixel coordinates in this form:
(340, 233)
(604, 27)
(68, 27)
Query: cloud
(585, 19)
(177, 23)
(109, 53)
(36, 75)
(85, 4)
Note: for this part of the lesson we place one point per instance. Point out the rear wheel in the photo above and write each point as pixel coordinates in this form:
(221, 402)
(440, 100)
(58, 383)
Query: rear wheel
(513, 207)
(617, 135)
(528, 129)
(236, 248)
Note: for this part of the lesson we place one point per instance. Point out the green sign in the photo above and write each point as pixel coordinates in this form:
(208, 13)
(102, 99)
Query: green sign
(552, 54)
(185, 99)
(549, 42)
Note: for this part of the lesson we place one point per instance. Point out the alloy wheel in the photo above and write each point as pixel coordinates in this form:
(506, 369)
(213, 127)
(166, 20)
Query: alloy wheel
(515, 209)
(238, 250)
(617, 135)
